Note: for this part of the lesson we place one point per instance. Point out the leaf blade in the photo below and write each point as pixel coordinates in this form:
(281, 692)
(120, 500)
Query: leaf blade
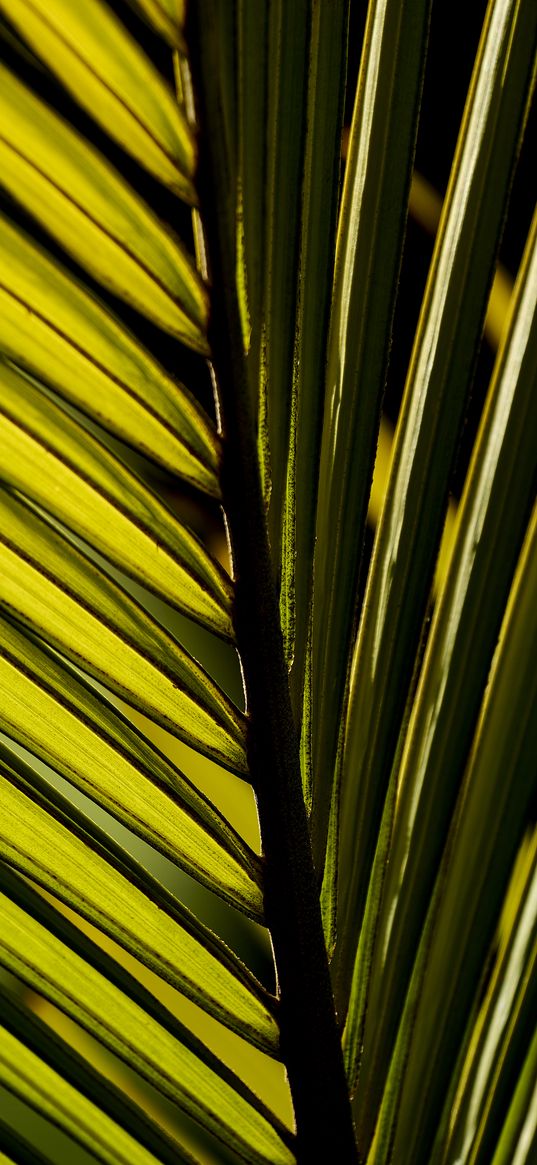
(52, 327)
(55, 845)
(488, 831)
(63, 597)
(368, 255)
(48, 710)
(324, 102)
(95, 215)
(55, 462)
(48, 1076)
(179, 1067)
(499, 1042)
(433, 407)
(109, 74)
(491, 525)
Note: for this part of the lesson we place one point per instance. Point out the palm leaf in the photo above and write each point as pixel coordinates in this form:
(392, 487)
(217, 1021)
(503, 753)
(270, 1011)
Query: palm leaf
(392, 763)
(52, 957)
(108, 73)
(57, 1083)
(46, 454)
(55, 329)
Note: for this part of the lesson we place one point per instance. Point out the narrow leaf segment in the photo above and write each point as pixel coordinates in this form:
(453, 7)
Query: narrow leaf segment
(368, 255)
(105, 69)
(49, 710)
(55, 329)
(58, 464)
(63, 597)
(436, 392)
(480, 854)
(46, 839)
(178, 1071)
(95, 215)
(491, 524)
(52, 1079)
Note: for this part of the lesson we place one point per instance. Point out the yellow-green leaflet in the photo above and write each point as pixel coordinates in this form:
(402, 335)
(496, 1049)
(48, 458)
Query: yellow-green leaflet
(29, 1031)
(26, 1075)
(55, 329)
(58, 592)
(49, 711)
(58, 464)
(166, 938)
(109, 74)
(93, 212)
(29, 950)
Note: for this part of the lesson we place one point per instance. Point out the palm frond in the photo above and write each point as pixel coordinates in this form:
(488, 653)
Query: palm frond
(196, 316)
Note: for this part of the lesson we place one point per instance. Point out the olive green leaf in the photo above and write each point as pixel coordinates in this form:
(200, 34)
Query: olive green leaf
(438, 383)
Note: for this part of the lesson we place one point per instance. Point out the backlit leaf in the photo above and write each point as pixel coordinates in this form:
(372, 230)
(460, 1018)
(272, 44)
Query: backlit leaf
(427, 435)
(491, 524)
(105, 70)
(172, 1061)
(54, 328)
(47, 709)
(86, 870)
(49, 1077)
(62, 596)
(96, 216)
(368, 255)
(64, 469)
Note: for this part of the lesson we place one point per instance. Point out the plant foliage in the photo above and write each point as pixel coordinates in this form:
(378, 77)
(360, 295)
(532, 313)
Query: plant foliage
(177, 220)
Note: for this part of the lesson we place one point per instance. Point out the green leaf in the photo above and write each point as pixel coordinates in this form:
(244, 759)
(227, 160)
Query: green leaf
(428, 430)
(411, 797)
(15, 1150)
(55, 329)
(96, 216)
(171, 1060)
(368, 255)
(491, 524)
(47, 709)
(500, 1048)
(470, 888)
(107, 72)
(252, 24)
(59, 848)
(319, 205)
(46, 1074)
(55, 462)
(287, 60)
(63, 597)
(518, 1141)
